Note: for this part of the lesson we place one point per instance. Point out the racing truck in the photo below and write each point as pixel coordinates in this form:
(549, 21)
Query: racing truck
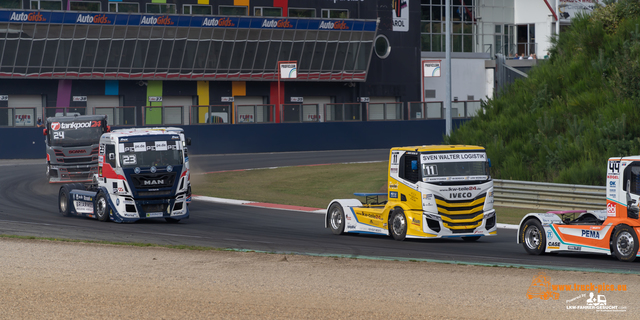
(437, 191)
(72, 147)
(143, 173)
(613, 230)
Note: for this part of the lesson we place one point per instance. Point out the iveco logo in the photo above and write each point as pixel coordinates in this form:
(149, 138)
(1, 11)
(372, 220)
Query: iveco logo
(152, 182)
(460, 195)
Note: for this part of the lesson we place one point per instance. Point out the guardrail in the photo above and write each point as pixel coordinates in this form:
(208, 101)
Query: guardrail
(548, 196)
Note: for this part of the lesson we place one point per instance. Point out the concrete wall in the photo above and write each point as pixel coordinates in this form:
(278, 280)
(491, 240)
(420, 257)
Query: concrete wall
(28, 143)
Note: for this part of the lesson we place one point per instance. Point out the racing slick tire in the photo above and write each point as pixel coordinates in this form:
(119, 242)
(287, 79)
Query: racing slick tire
(336, 219)
(64, 205)
(398, 224)
(171, 220)
(532, 237)
(64, 201)
(625, 243)
(470, 239)
(102, 208)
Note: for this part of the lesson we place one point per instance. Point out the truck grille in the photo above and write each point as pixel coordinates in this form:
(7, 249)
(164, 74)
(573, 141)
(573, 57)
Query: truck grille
(150, 180)
(461, 216)
(154, 193)
(160, 207)
(77, 160)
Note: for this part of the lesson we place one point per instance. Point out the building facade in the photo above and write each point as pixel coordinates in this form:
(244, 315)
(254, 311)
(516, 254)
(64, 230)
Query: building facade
(231, 61)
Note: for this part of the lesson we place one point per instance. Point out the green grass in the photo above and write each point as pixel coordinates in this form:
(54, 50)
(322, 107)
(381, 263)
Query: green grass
(309, 186)
(512, 215)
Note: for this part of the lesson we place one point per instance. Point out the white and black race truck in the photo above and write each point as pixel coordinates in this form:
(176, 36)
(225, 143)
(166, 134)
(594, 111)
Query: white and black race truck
(143, 173)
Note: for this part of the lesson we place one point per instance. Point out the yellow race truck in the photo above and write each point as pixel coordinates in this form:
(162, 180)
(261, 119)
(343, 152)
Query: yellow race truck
(438, 191)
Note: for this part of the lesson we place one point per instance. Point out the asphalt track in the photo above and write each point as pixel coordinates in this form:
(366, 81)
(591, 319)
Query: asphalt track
(28, 207)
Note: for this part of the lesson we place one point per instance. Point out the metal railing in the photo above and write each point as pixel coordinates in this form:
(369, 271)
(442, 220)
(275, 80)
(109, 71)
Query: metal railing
(259, 113)
(426, 110)
(17, 117)
(385, 111)
(162, 115)
(343, 111)
(213, 114)
(118, 116)
(296, 112)
(64, 111)
(548, 196)
(435, 109)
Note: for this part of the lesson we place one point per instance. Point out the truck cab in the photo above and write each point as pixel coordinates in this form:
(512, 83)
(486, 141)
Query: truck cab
(72, 147)
(432, 192)
(614, 230)
(143, 173)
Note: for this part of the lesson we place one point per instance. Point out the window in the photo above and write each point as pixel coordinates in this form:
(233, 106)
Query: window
(335, 13)
(161, 8)
(124, 7)
(232, 10)
(110, 155)
(267, 12)
(382, 47)
(196, 9)
(302, 13)
(10, 4)
(409, 169)
(463, 25)
(46, 5)
(85, 6)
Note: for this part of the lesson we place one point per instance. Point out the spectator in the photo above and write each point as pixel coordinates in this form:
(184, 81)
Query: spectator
(522, 56)
(547, 56)
(535, 57)
(39, 123)
(530, 57)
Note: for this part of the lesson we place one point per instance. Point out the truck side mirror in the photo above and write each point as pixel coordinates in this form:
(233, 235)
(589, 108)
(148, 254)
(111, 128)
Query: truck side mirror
(489, 161)
(112, 156)
(44, 132)
(414, 164)
(188, 141)
(108, 128)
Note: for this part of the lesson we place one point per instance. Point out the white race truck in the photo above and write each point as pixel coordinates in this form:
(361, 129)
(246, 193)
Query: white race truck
(143, 173)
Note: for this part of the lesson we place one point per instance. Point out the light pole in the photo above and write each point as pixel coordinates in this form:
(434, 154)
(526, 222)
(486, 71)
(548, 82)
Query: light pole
(447, 70)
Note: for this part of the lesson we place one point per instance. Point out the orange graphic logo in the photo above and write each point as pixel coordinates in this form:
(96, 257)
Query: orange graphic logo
(541, 288)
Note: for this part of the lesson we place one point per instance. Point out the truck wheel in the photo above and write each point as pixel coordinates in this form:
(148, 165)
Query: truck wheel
(63, 201)
(532, 237)
(336, 218)
(171, 220)
(625, 243)
(398, 225)
(102, 207)
(48, 172)
(470, 239)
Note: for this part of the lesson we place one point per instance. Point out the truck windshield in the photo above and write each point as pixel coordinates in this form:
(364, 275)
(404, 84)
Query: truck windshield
(150, 154)
(74, 137)
(455, 167)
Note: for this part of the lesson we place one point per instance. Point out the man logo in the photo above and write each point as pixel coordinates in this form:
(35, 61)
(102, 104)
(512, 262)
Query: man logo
(153, 182)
